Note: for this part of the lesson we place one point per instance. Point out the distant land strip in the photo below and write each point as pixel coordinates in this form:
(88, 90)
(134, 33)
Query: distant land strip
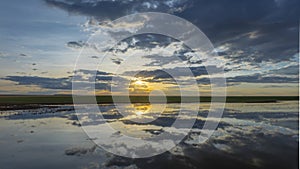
(67, 99)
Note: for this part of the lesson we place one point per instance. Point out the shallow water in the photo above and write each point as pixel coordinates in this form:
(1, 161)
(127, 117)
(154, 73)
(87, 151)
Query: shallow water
(250, 135)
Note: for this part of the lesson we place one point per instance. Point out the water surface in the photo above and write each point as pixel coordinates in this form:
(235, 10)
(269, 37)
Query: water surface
(250, 135)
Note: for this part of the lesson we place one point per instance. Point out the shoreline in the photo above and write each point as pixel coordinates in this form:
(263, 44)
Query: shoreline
(61, 99)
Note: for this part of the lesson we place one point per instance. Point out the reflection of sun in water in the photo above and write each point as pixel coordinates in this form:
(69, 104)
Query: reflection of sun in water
(139, 113)
(140, 110)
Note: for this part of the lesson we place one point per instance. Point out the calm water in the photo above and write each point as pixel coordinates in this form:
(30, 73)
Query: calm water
(250, 135)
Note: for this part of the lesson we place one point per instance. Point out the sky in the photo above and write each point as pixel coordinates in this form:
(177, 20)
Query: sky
(257, 41)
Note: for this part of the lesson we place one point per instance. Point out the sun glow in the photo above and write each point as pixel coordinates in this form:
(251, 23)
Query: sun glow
(138, 86)
(140, 83)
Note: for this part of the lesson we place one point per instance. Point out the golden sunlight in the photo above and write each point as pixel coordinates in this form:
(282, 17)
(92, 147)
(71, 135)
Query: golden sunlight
(140, 83)
(138, 86)
(144, 86)
(140, 109)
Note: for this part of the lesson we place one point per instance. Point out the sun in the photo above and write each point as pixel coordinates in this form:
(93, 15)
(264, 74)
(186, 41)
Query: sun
(138, 86)
(140, 83)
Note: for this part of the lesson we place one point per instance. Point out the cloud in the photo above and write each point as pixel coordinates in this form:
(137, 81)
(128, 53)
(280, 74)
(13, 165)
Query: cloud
(247, 34)
(290, 70)
(181, 75)
(117, 61)
(160, 50)
(264, 30)
(264, 27)
(91, 72)
(43, 82)
(80, 150)
(113, 9)
(253, 78)
(84, 78)
(91, 75)
(95, 57)
(76, 45)
(143, 42)
(258, 78)
(178, 71)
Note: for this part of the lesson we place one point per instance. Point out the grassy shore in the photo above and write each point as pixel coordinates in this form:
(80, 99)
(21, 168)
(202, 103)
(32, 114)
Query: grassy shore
(67, 99)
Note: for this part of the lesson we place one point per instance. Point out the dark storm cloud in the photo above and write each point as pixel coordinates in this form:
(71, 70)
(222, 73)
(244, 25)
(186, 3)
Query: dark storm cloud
(113, 9)
(265, 26)
(268, 27)
(255, 31)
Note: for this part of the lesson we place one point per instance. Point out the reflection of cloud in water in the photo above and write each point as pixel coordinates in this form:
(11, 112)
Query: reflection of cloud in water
(80, 150)
(262, 137)
(246, 139)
